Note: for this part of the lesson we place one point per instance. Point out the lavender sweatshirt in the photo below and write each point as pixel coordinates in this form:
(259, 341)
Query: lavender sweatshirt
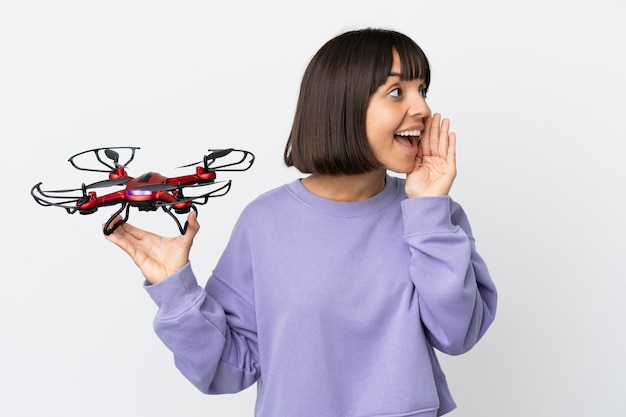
(333, 308)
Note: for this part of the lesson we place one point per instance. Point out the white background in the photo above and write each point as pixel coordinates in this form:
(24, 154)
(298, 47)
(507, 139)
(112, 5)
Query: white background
(535, 91)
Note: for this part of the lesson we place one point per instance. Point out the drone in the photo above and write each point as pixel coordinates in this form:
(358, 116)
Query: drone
(150, 191)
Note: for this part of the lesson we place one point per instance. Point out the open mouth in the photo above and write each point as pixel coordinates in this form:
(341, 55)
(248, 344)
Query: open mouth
(408, 138)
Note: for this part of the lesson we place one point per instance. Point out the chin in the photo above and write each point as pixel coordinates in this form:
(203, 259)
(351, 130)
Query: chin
(404, 167)
(400, 163)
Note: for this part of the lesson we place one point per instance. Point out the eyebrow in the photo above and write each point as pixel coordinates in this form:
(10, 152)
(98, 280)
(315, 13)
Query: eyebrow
(397, 74)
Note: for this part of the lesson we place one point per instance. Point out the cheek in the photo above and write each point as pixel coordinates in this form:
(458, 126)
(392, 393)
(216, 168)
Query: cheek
(376, 136)
(380, 121)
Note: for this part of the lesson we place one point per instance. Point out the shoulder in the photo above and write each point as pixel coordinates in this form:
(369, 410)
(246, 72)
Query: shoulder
(269, 199)
(268, 204)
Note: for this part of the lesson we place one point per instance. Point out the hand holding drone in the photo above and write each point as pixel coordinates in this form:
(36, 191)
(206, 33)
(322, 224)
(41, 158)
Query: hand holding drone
(147, 192)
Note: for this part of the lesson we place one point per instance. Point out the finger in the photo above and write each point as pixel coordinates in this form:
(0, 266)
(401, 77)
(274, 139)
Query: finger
(192, 226)
(120, 238)
(451, 158)
(425, 142)
(434, 135)
(133, 232)
(126, 236)
(114, 221)
(443, 137)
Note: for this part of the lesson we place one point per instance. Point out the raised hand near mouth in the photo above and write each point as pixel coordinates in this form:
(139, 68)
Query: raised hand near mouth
(435, 164)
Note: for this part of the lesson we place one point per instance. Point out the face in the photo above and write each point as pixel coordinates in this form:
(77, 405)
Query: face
(394, 120)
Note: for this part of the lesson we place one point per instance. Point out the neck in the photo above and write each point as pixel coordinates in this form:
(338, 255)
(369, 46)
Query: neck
(346, 188)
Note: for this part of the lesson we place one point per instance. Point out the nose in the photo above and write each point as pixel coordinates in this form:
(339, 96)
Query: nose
(418, 106)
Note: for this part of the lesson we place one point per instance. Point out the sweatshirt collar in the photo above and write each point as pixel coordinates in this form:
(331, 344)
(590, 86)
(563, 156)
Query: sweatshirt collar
(373, 204)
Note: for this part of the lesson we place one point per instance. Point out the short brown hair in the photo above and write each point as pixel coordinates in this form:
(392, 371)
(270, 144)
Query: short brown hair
(328, 132)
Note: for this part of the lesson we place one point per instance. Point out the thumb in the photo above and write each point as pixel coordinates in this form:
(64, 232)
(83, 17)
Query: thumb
(192, 227)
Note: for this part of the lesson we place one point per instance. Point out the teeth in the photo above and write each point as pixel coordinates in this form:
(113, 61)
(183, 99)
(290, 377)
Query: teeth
(410, 133)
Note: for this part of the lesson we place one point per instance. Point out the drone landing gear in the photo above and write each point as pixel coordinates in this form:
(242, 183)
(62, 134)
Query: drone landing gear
(108, 229)
(181, 228)
(112, 224)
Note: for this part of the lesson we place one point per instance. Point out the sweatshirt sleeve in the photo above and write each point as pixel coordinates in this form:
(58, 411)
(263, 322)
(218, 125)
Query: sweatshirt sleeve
(214, 342)
(457, 297)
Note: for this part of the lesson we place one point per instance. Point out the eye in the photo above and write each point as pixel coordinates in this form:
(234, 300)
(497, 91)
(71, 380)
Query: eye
(396, 92)
(423, 92)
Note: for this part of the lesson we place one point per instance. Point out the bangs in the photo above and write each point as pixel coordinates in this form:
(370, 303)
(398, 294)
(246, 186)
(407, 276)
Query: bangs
(414, 62)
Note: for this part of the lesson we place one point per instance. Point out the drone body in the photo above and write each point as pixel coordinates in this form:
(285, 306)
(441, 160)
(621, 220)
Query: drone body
(147, 192)
(141, 191)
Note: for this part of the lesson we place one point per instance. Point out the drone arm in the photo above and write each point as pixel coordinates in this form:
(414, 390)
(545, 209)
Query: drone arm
(201, 177)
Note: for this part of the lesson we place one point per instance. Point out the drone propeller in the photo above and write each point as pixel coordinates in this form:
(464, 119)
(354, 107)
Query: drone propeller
(58, 199)
(98, 184)
(219, 153)
(164, 186)
(113, 156)
(211, 157)
(214, 155)
(103, 156)
(109, 183)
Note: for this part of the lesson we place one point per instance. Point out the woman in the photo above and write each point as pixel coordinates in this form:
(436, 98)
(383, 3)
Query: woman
(335, 289)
